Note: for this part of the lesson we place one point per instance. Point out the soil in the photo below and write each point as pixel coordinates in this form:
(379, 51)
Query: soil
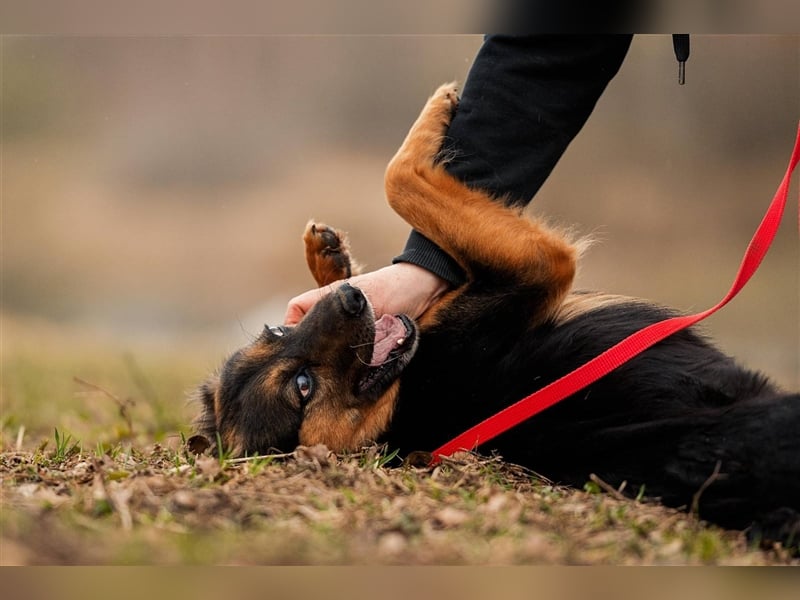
(162, 505)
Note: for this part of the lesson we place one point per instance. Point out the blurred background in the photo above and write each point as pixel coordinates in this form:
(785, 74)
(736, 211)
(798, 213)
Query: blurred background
(154, 191)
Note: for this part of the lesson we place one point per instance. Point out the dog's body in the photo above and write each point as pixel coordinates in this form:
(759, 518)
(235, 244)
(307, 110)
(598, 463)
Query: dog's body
(682, 419)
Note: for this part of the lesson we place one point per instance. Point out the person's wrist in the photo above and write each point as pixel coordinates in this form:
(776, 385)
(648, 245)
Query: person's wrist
(429, 285)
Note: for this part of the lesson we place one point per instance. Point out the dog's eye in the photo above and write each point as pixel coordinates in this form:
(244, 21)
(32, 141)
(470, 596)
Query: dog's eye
(304, 384)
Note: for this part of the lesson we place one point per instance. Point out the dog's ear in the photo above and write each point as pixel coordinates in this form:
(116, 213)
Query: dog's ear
(205, 424)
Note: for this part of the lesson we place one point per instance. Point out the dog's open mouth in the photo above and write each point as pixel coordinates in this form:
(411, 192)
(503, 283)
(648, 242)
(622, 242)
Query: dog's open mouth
(394, 345)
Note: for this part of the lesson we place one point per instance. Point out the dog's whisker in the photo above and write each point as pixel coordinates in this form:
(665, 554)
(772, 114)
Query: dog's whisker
(369, 364)
(354, 346)
(362, 361)
(385, 362)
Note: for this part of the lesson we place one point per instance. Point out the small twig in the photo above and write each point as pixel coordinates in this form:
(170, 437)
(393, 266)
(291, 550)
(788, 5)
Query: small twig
(711, 479)
(121, 404)
(120, 499)
(234, 461)
(608, 488)
(117, 498)
(141, 381)
(20, 437)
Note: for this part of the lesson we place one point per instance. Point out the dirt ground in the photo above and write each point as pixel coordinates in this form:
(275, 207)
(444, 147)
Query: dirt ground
(159, 505)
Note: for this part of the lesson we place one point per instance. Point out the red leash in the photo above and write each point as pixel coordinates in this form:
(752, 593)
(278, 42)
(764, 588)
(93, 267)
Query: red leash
(632, 345)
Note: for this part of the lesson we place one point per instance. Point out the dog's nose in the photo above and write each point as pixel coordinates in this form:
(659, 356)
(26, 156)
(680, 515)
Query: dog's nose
(353, 300)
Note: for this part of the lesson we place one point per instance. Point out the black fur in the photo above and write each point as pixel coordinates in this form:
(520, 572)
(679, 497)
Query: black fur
(666, 420)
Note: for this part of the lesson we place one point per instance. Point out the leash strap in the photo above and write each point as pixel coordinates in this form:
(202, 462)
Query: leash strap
(631, 346)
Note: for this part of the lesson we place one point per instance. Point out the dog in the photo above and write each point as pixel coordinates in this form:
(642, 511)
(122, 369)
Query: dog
(682, 421)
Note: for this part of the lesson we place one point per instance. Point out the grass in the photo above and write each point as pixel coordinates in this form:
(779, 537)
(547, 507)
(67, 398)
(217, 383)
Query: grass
(92, 391)
(93, 470)
(157, 505)
(65, 446)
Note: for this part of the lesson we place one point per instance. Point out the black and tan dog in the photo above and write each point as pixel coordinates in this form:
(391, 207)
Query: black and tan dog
(680, 418)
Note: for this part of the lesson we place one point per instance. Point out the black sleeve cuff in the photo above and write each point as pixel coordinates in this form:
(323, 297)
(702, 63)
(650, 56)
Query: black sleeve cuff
(424, 253)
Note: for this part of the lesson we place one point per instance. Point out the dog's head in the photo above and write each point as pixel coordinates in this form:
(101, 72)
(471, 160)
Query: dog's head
(332, 379)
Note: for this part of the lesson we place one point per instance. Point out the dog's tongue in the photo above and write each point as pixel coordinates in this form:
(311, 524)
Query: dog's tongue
(389, 334)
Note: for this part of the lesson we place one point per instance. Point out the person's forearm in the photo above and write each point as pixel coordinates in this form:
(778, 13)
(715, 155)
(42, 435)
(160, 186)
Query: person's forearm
(524, 101)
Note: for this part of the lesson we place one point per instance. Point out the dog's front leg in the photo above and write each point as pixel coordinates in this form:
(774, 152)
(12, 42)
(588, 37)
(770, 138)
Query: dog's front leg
(490, 241)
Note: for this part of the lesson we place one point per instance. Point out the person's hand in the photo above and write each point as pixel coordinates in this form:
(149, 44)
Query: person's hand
(399, 288)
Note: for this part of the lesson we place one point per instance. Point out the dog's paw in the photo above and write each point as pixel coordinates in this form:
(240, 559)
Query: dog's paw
(323, 239)
(449, 94)
(423, 144)
(327, 253)
(444, 102)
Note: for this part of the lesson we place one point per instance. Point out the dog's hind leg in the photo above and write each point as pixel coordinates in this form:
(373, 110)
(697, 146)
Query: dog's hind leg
(740, 462)
(328, 254)
(490, 241)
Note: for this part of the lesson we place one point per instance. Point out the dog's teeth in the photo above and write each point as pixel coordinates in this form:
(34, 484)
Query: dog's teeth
(400, 341)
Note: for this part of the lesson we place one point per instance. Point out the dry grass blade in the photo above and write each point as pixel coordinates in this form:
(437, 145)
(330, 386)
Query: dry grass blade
(608, 488)
(257, 457)
(715, 474)
(122, 405)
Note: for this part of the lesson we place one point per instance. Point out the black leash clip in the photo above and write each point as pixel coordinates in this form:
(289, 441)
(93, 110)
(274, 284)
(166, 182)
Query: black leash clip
(680, 42)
